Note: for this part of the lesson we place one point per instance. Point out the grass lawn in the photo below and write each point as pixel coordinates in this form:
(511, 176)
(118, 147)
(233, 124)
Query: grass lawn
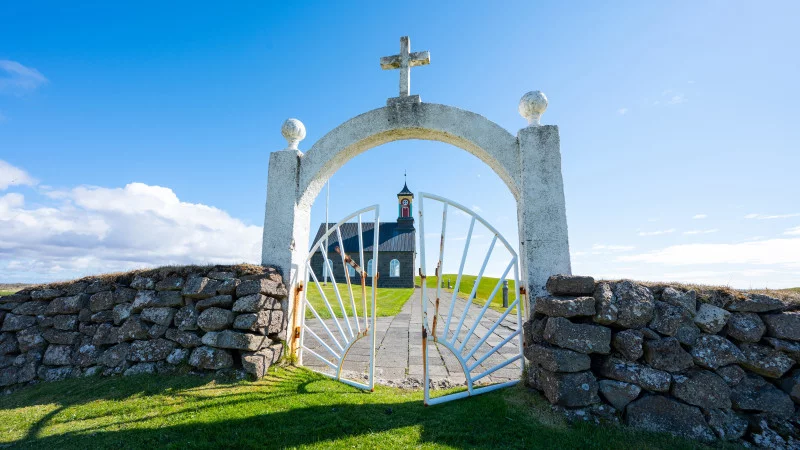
(290, 408)
(2, 293)
(389, 300)
(485, 288)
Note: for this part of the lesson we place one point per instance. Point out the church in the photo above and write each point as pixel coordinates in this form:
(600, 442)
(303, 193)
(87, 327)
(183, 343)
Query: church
(396, 248)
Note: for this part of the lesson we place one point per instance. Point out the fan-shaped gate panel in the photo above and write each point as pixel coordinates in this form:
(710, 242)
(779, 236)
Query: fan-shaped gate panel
(337, 307)
(484, 339)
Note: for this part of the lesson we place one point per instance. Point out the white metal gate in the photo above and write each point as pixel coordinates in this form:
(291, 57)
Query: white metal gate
(333, 346)
(469, 347)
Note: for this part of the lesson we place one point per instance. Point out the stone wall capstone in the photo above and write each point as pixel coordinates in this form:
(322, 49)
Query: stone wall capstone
(226, 319)
(708, 364)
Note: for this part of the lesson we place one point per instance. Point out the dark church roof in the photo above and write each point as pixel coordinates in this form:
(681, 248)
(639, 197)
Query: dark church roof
(405, 190)
(390, 239)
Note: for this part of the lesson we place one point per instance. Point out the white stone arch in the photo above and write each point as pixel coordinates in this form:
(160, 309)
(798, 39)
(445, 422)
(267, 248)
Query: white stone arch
(472, 132)
(529, 164)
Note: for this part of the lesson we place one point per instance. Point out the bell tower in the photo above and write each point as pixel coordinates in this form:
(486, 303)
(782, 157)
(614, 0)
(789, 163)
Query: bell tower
(405, 212)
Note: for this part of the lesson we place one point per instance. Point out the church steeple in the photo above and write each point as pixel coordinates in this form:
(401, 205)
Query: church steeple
(405, 203)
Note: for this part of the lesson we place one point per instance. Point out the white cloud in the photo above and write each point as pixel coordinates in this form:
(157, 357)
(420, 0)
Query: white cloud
(771, 251)
(793, 231)
(713, 230)
(622, 111)
(699, 216)
(769, 217)
(677, 99)
(17, 79)
(96, 230)
(13, 176)
(657, 232)
(612, 248)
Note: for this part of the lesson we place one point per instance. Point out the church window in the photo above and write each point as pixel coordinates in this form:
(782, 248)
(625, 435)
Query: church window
(394, 268)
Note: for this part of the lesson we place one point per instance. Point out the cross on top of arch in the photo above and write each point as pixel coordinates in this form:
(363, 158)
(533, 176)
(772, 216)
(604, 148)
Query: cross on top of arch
(404, 61)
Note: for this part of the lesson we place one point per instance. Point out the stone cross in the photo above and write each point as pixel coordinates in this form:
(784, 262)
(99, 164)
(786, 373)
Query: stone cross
(405, 61)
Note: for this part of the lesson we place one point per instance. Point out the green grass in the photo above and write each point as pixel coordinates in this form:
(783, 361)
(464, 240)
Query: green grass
(389, 301)
(2, 293)
(290, 408)
(485, 288)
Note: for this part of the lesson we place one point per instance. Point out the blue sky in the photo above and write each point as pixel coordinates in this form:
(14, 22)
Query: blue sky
(133, 136)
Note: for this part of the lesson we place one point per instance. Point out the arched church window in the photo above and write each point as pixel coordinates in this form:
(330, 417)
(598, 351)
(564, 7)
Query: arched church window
(351, 272)
(394, 268)
(369, 268)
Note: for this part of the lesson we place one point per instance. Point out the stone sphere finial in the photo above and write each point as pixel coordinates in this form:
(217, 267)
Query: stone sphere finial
(531, 106)
(294, 131)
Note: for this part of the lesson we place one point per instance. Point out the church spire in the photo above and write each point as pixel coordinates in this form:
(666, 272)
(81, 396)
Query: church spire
(405, 203)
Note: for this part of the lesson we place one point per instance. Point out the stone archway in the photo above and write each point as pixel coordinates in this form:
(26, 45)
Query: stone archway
(529, 164)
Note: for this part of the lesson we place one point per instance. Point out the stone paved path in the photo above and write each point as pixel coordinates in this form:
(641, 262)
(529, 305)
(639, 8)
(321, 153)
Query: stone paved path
(399, 345)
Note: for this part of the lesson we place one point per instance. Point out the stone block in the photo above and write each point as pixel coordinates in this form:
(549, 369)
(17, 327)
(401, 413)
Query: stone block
(765, 361)
(46, 294)
(264, 286)
(791, 385)
(143, 283)
(648, 378)
(570, 285)
(732, 374)
(565, 306)
(67, 305)
(239, 341)
(618, 393)
(183, 338)
(686, 300)
(713, 352)
(755, 394)
(784, 325)
(606, 311)
(101, 301)
(702, 388)
(265, 322)
(106, 334)
(790, 348)
(103, 316)
(210, 358)
(710, 318)
(557, 359)
(214, 319)
(65, 323)
(200, 288)
(579, 337)
(178, 356)
(124, 295)
(635, 304)
(728, 425)
(171, 299)
(662, 415)
(667, 354)
(221, 275)
(757, 303)
(61, 337)
(121, 312)
(132, 329)
(58, 355)
(47, 373)
(228, 287)
(98, 286)
(186, 318)
(15, 322)
(255, 303)
(629, 344)
(31, 308)
(156, 331)
(29, 339)
(159, 315)
(86, 355)
(144, 299)
(219, 301)
(173, 283)
(569, 389)
(115, 356)
(149, 351)
(668, 318)
(143, 368)
(257, 363)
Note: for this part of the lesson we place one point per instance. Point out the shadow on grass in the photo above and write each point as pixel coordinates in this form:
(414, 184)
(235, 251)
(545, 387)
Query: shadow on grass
(292, 408)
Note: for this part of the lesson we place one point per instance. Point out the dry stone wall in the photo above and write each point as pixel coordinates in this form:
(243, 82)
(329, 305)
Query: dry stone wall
(176, 319)
(709, 365)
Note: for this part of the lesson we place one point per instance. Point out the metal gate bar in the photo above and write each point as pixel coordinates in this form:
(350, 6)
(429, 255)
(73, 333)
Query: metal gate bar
(346, 333)
(430, 335)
